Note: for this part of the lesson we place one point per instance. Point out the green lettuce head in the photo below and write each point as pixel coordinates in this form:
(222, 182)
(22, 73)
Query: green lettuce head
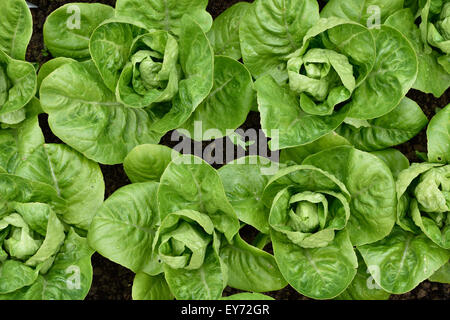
(308, 207)
(49, 194)
(423, 191)
(188, 244)
(338, 69)
(417, 248)
(323, 78)
(308, 215)
(175, 228)
(321, 207)
(153, 70)
(133, 77)
(40, 256)
(402, 15)
(184, 239)
(131, 74)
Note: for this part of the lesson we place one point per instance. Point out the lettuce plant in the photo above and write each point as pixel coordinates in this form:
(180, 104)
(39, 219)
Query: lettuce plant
(177, 231)
(318, 213)
(48, 197)
(418, 247)
(314, 213)
(432, 77)
(311, 77)
(342, 216)
(17, 77)
(428, 39)
(138, 77)
(423, 189)
(303, 225)
(423, 192)
(39, 255)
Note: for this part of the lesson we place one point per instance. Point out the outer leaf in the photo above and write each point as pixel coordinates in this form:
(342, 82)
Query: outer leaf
(438, 135)
(191, 183)
(19, 143)
(223, 109)
(95, 124)
(147, 162)
(372, 189)
(17, 189)
(244, 181)
(394, 159)
(319, 273)
(17, 83)
(363, 286)
(15, 275)
(164, 14)
(388, 83)
(124, 227)
(298, 154)
(441, 275)
(67, 29)
(401, 261)
(76, 179)
(251, 269)
(147, 287)
(431, 78)
(224, 34)
(396, 127)
(49, 67)
(270, 30)
(16, 27)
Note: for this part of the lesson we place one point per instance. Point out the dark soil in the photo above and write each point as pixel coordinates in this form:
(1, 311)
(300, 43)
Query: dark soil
(112, 281)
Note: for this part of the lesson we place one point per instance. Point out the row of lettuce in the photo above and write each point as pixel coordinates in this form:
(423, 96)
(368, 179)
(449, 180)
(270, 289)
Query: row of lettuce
(345, 216)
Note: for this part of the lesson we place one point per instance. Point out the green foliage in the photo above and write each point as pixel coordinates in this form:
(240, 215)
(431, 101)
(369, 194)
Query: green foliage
(144, 68)
(48, 197)
(342, 215)
(177, 230)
